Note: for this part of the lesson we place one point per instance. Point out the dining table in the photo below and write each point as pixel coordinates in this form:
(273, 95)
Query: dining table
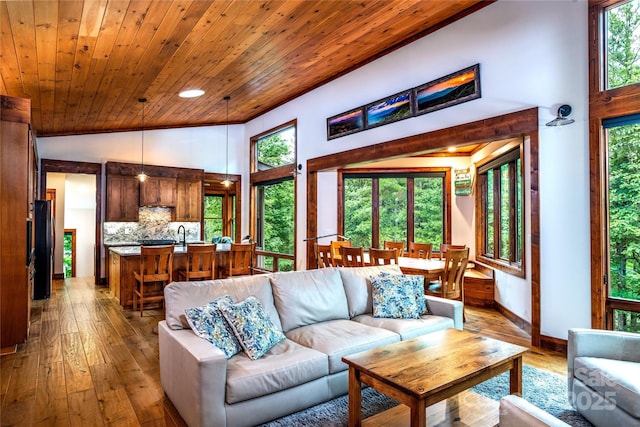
(429, 268)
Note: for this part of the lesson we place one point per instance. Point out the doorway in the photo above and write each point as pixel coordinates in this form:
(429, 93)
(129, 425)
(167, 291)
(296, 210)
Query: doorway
(69, 254)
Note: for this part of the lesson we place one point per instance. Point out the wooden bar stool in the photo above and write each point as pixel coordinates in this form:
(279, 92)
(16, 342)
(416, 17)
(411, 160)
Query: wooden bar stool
(201, 263)
(240, 260)
(155, 272)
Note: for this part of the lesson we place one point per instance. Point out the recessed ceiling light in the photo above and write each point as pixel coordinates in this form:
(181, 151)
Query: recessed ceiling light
(191, 93)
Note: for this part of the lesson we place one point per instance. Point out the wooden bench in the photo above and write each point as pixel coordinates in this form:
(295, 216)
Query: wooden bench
(479, 286)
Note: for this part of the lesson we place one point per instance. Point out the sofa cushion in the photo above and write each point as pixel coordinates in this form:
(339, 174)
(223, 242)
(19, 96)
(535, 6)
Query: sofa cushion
(337, 338)
(407, 328)
(394, 297)
(181, 295)
(286, 365)
(357, 286)
(617, 378)
(251, 325)
(307, 297)
(207, 322)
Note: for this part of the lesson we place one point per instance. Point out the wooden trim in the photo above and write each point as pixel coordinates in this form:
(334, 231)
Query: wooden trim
(519, 124)
(513, 318)
(133, 169)
(63, 166)
(553, 344)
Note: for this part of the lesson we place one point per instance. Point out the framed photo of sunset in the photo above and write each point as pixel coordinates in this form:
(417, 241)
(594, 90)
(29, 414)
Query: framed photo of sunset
(453, 89)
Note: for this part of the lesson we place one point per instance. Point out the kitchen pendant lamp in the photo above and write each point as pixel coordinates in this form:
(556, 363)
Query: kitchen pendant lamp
(226, 181)
(142, 176)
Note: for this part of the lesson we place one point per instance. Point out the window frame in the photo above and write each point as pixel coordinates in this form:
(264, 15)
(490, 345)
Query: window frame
(393, 173)
(271, 176)
(603, 104)
(508, 156)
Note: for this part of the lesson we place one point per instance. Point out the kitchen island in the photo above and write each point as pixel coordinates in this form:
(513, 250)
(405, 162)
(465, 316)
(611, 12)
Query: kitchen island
(124, 260)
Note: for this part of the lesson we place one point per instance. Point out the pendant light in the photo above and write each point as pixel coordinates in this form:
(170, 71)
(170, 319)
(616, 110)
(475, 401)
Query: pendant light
(142, 176)
(226, 181)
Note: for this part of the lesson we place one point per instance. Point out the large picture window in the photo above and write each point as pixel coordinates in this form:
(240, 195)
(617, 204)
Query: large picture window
(395, 206)
(273, 198)
(500, 215)
(622, 26)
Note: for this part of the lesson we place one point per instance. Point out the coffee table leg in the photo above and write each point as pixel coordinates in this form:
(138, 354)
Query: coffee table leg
(419, 414)
(355, 398)
(515, 377)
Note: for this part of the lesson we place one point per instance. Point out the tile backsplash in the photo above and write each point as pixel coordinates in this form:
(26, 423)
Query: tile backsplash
(153, 223)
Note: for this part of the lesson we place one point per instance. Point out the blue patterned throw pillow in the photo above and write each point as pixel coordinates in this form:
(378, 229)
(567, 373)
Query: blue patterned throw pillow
(417, 281)
(207, 322)
(394, 297)
(252, 326)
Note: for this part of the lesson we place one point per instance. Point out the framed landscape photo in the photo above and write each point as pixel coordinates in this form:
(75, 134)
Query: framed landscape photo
(388, 110)
(345, 123)
(456, 88)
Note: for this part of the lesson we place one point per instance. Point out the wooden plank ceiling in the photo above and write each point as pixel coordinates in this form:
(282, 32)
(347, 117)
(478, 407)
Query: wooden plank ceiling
(85, 64)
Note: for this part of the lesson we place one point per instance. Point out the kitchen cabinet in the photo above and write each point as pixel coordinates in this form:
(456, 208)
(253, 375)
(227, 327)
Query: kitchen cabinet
(17, 166)
(123, 196)
(189, 200)
(155, 191)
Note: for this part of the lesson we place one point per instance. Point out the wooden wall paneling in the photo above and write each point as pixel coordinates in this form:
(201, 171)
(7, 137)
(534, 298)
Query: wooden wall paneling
(46, 23)
(536, 317)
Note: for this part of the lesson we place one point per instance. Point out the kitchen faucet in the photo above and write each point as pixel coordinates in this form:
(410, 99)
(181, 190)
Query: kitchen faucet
(184, 235)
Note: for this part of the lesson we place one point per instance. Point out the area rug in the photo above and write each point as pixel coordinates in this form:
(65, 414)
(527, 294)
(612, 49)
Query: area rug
(546, 390)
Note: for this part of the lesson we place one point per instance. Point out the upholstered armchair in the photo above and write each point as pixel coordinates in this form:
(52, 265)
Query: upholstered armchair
(604, 376)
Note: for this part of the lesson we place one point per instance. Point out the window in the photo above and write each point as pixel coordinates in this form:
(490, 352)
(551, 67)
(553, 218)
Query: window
(622, 26)
(216, 223)
(501, 213)
(395, 205)
(273, 172)
(614, 45)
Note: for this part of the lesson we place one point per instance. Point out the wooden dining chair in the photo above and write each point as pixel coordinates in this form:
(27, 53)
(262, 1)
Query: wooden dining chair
(201, 263)
(444, 247)
(323, 256)
(451, 284)
(394, 245)
(240, 261)
(153, 274)
(383, 256)
(352, 256)
(336, 258)
(420, 250)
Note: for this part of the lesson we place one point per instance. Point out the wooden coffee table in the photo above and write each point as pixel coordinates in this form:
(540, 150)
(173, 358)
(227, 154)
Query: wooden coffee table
(425, 370)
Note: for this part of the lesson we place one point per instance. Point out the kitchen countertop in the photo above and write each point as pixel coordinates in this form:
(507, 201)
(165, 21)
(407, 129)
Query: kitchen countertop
(134, 249)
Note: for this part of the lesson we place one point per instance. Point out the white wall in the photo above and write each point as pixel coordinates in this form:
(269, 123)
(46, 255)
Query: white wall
(531, 54)
(80, 214)
(56, 181)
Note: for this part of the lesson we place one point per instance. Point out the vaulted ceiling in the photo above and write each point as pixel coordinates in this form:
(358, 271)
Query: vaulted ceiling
(85, 64)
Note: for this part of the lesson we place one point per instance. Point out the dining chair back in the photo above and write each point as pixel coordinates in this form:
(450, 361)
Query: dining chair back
(451, 283)
(352, 256)
(336, 258)
(201, 263)
(394, 245)
(444, 247)
(420, 250)
(323, 256)
(240, 261)
(154, 273)
(383, 256)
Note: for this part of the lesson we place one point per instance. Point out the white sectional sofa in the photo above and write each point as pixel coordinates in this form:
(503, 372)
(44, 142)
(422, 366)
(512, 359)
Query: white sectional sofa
(324, 314)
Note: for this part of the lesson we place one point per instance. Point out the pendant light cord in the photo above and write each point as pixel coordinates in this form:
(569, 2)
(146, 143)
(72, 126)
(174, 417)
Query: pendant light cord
(227, 98)
(143, 101)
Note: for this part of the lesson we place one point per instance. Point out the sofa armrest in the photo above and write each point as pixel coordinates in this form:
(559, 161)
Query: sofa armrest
(604, 344)
(446, 308)
(517, 412)
(193, 373)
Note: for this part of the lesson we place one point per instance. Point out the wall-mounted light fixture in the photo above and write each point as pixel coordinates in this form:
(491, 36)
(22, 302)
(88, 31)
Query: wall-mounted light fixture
(142, 176)
(561, 120)
(226, 181)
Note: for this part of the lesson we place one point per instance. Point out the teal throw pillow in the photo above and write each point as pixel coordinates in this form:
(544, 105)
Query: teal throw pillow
(417, 282)
(207, 322)
(252, 326)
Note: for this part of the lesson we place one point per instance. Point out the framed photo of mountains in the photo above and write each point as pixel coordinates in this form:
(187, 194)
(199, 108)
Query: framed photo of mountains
(453, 89)
(345, 123)
(390, 109)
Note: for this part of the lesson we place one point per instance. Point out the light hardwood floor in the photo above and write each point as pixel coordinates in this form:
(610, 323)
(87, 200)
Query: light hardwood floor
(89, 363)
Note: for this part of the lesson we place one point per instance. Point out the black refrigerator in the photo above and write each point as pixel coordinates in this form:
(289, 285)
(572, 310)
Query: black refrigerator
(43, 230)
